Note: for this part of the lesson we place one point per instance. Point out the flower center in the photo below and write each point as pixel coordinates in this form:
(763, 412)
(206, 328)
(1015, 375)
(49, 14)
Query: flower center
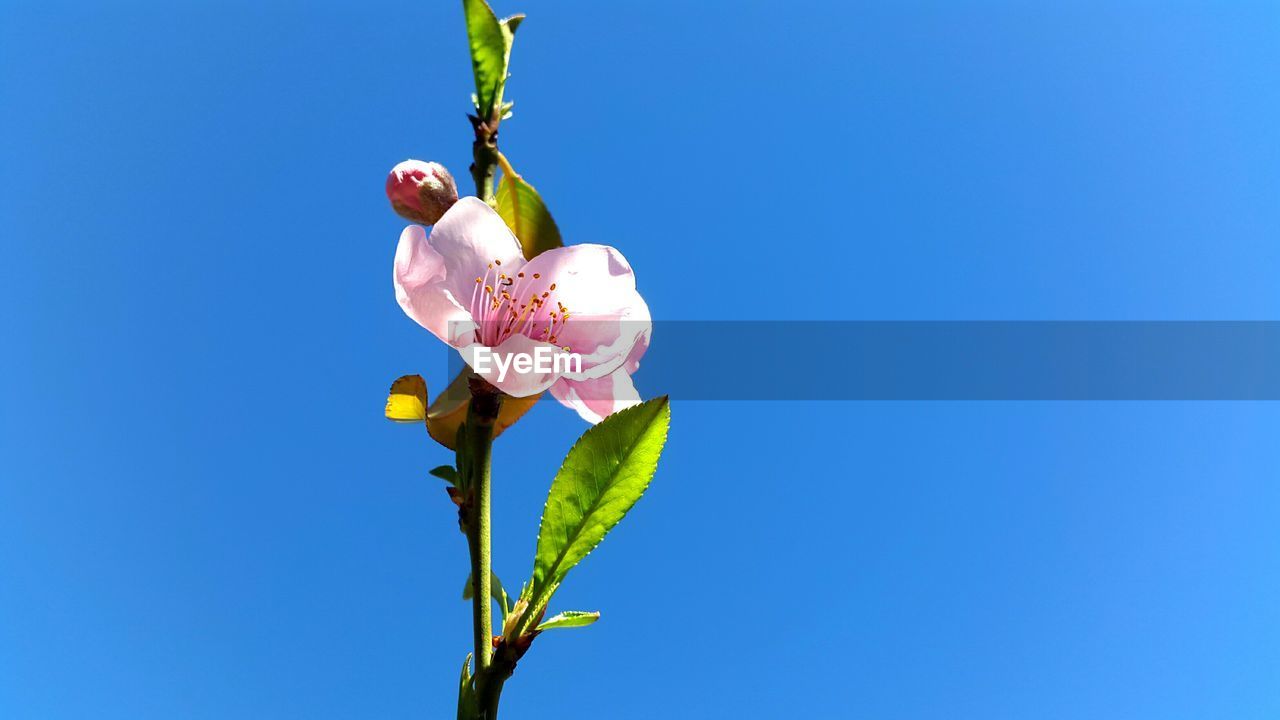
(524, 304)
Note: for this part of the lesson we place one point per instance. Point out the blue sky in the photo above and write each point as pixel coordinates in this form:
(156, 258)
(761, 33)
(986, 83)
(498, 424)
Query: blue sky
(204, 515)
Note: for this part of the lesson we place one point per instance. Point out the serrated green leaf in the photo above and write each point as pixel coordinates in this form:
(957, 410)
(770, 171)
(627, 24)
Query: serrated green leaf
(605, 473)
(569, 619)
(446, 473)
(522, 208)
(495, 590)
(489, 53)
(509, 25)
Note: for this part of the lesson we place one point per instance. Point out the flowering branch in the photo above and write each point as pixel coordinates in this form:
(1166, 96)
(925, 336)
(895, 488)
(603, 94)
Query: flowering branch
(493, 278)
(482, 413)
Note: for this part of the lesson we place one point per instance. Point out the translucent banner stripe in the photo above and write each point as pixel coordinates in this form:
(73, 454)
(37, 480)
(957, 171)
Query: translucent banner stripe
(978, 360)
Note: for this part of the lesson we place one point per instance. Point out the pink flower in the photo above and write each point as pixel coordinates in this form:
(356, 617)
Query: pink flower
(421, 191)
(470, 285)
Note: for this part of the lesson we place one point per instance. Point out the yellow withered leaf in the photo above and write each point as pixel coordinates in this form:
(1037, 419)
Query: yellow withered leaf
(449, 410)
(407, 402)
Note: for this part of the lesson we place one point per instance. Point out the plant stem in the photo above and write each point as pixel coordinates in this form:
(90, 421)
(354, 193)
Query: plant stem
(484, 153)
(489, 686)
(481, 414)
(489, 695)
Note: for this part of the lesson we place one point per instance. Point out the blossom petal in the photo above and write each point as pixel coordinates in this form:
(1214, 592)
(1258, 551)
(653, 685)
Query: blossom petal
(420, 289)
(435, 276)
(469, 237)
(632, 362)
(607, 317)
(596, 399)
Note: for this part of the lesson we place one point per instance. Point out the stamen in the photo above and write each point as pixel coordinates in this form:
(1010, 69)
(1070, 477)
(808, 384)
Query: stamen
(506, 315)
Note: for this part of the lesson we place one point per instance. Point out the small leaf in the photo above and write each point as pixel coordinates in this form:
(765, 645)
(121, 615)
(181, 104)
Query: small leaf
(407, 401)
(521, 207)
(489, 51)
(467, 706)
(495, 591)
(569, 619)
(446, 473)
(508, 26)
(447, 412)
(605, 473)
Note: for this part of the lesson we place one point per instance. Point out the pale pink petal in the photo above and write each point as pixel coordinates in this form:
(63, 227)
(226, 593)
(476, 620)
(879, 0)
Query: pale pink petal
(470, 238)
(435, 275)
(422, 293)
(514, 381)
(595, 284)
(642, 344)
(596, 399)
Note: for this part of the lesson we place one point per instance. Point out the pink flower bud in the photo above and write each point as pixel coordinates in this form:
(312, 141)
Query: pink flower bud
(421, 191)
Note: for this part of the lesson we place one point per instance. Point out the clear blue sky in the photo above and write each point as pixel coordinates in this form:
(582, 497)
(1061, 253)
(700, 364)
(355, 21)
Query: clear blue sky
(204, 515)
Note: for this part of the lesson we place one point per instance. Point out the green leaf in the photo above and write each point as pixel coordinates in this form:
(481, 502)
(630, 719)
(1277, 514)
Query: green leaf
(569, 619)
(509, 25)
(488, 53)
(521, 207)
(446, 473)
(490, 41)
(467, 706)
(495, 590)
(604, 475)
